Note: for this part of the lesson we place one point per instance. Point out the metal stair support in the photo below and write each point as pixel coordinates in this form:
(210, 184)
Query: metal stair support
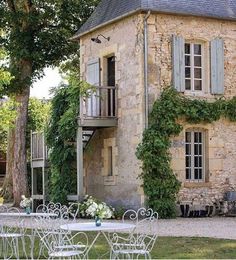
(87, 135)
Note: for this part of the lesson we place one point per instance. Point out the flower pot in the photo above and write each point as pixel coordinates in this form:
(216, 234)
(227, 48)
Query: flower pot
(27, 210)
(98, 221)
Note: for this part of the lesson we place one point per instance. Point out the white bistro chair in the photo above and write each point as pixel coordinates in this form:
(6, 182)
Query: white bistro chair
(141, 240)
(11, 233)
(60, 243)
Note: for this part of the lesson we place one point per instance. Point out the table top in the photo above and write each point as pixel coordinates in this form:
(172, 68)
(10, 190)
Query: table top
(23, 214)
(90, 226)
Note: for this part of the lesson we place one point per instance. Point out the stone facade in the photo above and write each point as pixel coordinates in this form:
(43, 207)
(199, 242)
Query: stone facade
(126, 43)
(221, 135)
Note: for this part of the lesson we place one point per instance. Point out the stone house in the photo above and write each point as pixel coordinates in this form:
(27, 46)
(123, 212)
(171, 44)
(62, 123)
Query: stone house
(130, 50)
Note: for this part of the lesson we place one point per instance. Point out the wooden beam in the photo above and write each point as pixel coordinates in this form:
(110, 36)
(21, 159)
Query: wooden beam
(80, 175)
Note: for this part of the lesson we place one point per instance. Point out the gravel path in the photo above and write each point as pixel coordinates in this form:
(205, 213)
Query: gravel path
(217, 227)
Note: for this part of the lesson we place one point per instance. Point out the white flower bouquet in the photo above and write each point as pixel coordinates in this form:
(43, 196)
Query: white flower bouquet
(25, 202)
(94, 208)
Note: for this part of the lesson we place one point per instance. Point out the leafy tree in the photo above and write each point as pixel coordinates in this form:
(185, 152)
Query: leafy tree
(37, 36)
(37, 118)
(61, 134)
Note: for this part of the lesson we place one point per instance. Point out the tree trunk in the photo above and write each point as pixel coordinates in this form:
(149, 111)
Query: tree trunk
(19, 173)
(7, 189)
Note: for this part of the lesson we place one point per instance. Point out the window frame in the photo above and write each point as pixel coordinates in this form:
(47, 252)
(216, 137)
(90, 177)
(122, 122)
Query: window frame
(193, 155)
(192, 66)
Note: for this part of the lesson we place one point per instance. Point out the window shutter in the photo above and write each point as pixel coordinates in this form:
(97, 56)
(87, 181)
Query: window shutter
(217, 66)
(178, 73)
(93, 72)
(93, 78)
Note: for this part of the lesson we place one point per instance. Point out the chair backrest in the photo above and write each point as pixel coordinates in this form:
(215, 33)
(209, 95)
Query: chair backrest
(3, 209)
(140, 214)
(11, 223)
(145, 231)
(62, 211)
(73, 211)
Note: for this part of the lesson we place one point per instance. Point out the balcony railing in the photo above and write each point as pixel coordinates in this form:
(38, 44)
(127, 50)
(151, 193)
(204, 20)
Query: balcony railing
(101, 103)
(38, 148)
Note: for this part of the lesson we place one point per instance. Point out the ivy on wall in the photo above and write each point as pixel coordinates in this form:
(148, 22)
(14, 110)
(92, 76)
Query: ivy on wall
(159, 181)
(61, 137)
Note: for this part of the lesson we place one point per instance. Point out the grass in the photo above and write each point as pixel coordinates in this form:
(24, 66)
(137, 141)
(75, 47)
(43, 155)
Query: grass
(171, 248)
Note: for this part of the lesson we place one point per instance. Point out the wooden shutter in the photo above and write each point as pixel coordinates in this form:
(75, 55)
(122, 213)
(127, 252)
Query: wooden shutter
(93, 72)
(93, 78)
(178, 72)
(217, 66)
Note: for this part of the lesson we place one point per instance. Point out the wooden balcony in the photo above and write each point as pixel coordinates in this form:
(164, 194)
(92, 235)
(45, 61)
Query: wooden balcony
(39, 153)
(99, 109)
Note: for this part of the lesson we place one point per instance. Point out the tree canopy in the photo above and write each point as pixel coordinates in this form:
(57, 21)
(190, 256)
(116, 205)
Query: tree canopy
(39, 32)
(36, 35)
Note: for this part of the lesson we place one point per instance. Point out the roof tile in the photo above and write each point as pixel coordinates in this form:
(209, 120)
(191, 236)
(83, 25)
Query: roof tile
(109, 10)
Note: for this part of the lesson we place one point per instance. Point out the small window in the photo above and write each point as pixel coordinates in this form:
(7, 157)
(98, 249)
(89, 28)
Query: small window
(193, 67)
(110, 164)
(194, 156)
(111, 82)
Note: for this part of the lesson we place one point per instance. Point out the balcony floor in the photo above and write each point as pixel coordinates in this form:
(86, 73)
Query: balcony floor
(98, 122)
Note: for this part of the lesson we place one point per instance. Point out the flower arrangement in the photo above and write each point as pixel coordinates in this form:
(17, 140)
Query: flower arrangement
(92, 207)
(25, 202)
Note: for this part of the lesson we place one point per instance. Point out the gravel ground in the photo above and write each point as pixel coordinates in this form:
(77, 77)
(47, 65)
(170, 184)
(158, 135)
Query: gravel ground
(217, 227)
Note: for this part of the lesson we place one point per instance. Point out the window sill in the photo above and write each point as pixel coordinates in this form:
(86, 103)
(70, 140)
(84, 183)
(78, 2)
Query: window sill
(109, 180)
(197, 185)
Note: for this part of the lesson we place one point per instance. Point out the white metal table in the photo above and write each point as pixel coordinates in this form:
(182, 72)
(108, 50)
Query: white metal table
(23, 214)
(26, 215)
(91, 227)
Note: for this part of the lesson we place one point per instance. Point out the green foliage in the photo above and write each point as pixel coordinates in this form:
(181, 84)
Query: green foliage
(37, 35)
(37, 118)
(159, 181)
(61, 137)
(7, 117)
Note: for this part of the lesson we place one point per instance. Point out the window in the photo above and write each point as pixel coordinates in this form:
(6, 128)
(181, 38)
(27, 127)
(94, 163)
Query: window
(194, 155)
(111, 84)
(193, 66)
(110, 164)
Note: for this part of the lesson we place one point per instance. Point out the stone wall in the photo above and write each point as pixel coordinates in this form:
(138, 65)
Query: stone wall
(126, 43)
(221, 135)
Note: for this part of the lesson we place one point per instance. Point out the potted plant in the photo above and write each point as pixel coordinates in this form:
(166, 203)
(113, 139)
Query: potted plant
(92, 207)
(26, 204)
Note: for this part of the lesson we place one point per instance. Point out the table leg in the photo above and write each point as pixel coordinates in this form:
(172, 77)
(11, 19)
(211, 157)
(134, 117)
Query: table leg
(92, 244)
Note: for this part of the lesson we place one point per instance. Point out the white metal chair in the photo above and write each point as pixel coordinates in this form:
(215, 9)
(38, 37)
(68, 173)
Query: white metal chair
(141, 240)
(11, 235)
(60, 243)
(62, 211)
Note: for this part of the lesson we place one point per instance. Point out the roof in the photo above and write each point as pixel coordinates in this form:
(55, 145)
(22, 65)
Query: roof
(110, 10)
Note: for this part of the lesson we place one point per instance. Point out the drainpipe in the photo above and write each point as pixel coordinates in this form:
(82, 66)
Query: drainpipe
(146, 68)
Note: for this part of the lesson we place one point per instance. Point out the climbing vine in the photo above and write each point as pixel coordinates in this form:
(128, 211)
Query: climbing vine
(159, 181)
(61, 138)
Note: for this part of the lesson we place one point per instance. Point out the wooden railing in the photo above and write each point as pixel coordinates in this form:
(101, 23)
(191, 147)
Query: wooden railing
(101, 103)
(38, 147)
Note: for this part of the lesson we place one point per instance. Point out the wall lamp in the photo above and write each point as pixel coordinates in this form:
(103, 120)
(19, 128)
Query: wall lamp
(97, 40)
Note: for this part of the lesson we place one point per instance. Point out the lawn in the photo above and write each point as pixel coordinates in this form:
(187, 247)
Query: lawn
(174, 248)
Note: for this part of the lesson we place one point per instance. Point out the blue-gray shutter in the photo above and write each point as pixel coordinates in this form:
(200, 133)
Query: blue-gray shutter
(217, 66)
(93, 72)
(93, 78)
(178, 73)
